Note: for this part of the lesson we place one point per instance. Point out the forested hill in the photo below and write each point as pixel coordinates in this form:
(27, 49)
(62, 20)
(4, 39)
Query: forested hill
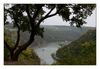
(54, 33)
(81, 51)
(62, 33)
(58, 34)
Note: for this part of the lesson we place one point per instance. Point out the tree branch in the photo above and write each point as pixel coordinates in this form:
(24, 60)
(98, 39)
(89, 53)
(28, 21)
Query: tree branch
(18, 32)
(32, 19)
(49, 11)
(18, 36)
(47, 16)
(28, 13)
(24, 46)
(31, 39)
(36, 13)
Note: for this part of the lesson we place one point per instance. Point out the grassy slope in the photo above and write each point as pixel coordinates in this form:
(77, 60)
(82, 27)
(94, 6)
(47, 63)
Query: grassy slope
(79, 52)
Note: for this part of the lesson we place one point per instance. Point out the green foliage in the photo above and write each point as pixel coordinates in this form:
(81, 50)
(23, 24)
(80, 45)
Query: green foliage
(39, 31)
(79, 52)
(16, 12)
(81, 11)
(28, 56)
(6, 54)
(10, 37)
(65, 13)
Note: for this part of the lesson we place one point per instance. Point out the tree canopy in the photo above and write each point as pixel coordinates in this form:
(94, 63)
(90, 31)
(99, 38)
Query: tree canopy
(75, 13)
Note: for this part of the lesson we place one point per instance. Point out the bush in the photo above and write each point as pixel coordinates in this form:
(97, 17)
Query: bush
(6, 54)
(28, 56)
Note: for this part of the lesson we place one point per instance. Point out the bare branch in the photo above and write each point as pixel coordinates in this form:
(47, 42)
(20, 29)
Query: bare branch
(18, 31)
(24, 46)
(28, 13)
(47, 16)
(18, 36)
(49, 11)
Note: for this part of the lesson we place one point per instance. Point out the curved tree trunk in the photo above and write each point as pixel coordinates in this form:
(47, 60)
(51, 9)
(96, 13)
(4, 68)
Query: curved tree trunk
(14, 53)
(14, 57)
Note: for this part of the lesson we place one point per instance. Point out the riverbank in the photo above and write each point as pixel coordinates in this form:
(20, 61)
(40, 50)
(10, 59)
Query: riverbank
(45, 51)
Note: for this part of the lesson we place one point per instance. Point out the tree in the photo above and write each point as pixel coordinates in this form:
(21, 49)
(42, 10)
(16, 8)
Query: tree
(28, 17)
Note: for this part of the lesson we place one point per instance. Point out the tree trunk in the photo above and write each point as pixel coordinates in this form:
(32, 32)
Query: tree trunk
(13, 57)
(15, 52)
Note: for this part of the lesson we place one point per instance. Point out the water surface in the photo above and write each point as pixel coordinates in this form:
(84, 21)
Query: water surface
(45, 51)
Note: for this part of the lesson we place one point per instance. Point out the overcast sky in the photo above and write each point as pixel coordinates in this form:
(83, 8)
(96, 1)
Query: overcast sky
(56, 20)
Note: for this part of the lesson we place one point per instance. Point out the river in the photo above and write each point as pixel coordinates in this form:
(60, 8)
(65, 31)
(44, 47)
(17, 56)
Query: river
(45, 51)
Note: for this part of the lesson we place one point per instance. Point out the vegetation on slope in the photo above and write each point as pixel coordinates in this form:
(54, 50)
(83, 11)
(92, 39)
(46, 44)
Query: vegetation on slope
(28, 56)
(79, 52)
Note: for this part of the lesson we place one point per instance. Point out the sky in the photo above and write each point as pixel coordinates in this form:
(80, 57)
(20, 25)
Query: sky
(56, 20)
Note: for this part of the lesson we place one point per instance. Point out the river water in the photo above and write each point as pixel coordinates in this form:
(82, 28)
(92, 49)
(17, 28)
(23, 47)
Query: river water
(45, 51)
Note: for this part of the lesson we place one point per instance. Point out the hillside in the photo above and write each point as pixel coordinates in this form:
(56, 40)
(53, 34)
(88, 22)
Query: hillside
(54, 36)
(62, 33)
(79, 52)
(51, 34)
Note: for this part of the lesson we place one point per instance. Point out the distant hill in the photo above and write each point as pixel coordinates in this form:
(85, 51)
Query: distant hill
(79, 52)
(53, 33)
(62, 33)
